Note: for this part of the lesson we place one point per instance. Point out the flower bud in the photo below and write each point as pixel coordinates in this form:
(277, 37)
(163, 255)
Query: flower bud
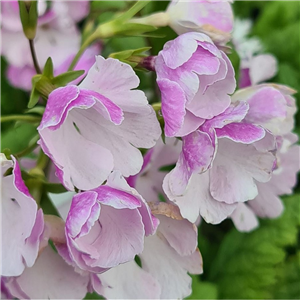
(29, 17)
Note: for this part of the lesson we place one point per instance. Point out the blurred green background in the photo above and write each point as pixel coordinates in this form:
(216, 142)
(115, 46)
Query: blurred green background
(263, 264)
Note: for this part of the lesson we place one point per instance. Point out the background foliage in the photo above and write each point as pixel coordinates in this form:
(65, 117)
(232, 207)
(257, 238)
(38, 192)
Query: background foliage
(263, 264)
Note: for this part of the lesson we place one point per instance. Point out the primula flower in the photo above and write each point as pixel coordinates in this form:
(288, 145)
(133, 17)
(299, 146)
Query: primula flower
(268, 204)
(92, 129)
(166, 259)
(149, 180)
(214, 18)
(49, 278)
(200, 147)
(232, 178)
(195, 79)
(254, 66)
(106, 226)
(22, 222)
(270, 106)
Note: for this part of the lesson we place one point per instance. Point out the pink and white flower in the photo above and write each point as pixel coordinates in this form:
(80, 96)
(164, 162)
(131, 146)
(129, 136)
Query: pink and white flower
(149, 180)
(167, 258)
(231, 179)
(255, 67)
(92, 129)
(106, 226)
(21, 220)
(199, 148)
(270, 106)
(49, 278)
(214, 18)
(268, 204)
(195, 79)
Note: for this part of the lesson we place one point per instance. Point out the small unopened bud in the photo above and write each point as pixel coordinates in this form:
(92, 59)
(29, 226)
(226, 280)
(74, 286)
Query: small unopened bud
(29, 17)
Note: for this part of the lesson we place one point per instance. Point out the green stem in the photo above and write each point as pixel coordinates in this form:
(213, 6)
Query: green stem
(42, 161)
(80, 52)
(34, 58)
(29, 119)
(30, 148)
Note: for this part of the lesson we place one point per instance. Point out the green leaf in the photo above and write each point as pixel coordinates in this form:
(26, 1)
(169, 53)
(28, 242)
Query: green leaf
(39, 110)
(47, 206)
(122, 55)
(34, 95)
(203, 289)
(55, 188)
(288, 277)
(250, 260)
(132, 11)
(17, 138)
(166, 168)
(135, 29)
(65, 78)
(48, 68)
(94, 295)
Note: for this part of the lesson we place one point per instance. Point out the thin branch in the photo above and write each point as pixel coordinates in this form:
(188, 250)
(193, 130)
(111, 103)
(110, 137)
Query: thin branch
(34, 58)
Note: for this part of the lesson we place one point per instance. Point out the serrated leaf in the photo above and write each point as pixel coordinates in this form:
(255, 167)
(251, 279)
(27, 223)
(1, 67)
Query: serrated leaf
(65, 78)
(250, 259)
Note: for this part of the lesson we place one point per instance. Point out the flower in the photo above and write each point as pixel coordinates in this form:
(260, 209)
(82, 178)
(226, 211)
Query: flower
(167, 257)
(214, 18)
(270, 106)
(49, 278)
(92, 129)
(195, 79)
(149, 180)
(106, 226)
(199, 148)
(267, 204)
(21, 220)
(254, 67)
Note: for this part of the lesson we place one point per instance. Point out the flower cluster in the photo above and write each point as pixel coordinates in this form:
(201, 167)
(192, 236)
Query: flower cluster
(138, 179)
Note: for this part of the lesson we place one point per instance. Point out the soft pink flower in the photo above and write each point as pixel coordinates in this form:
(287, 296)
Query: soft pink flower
(232, 178)
(148, 181)
(49, 278)
(268, 204)
(270, 106)
(106, 226)
(92, 129)
(255, 67)
(167, 258)
(22, 222)
(214, 18)
(195, 79)
(199, 148)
